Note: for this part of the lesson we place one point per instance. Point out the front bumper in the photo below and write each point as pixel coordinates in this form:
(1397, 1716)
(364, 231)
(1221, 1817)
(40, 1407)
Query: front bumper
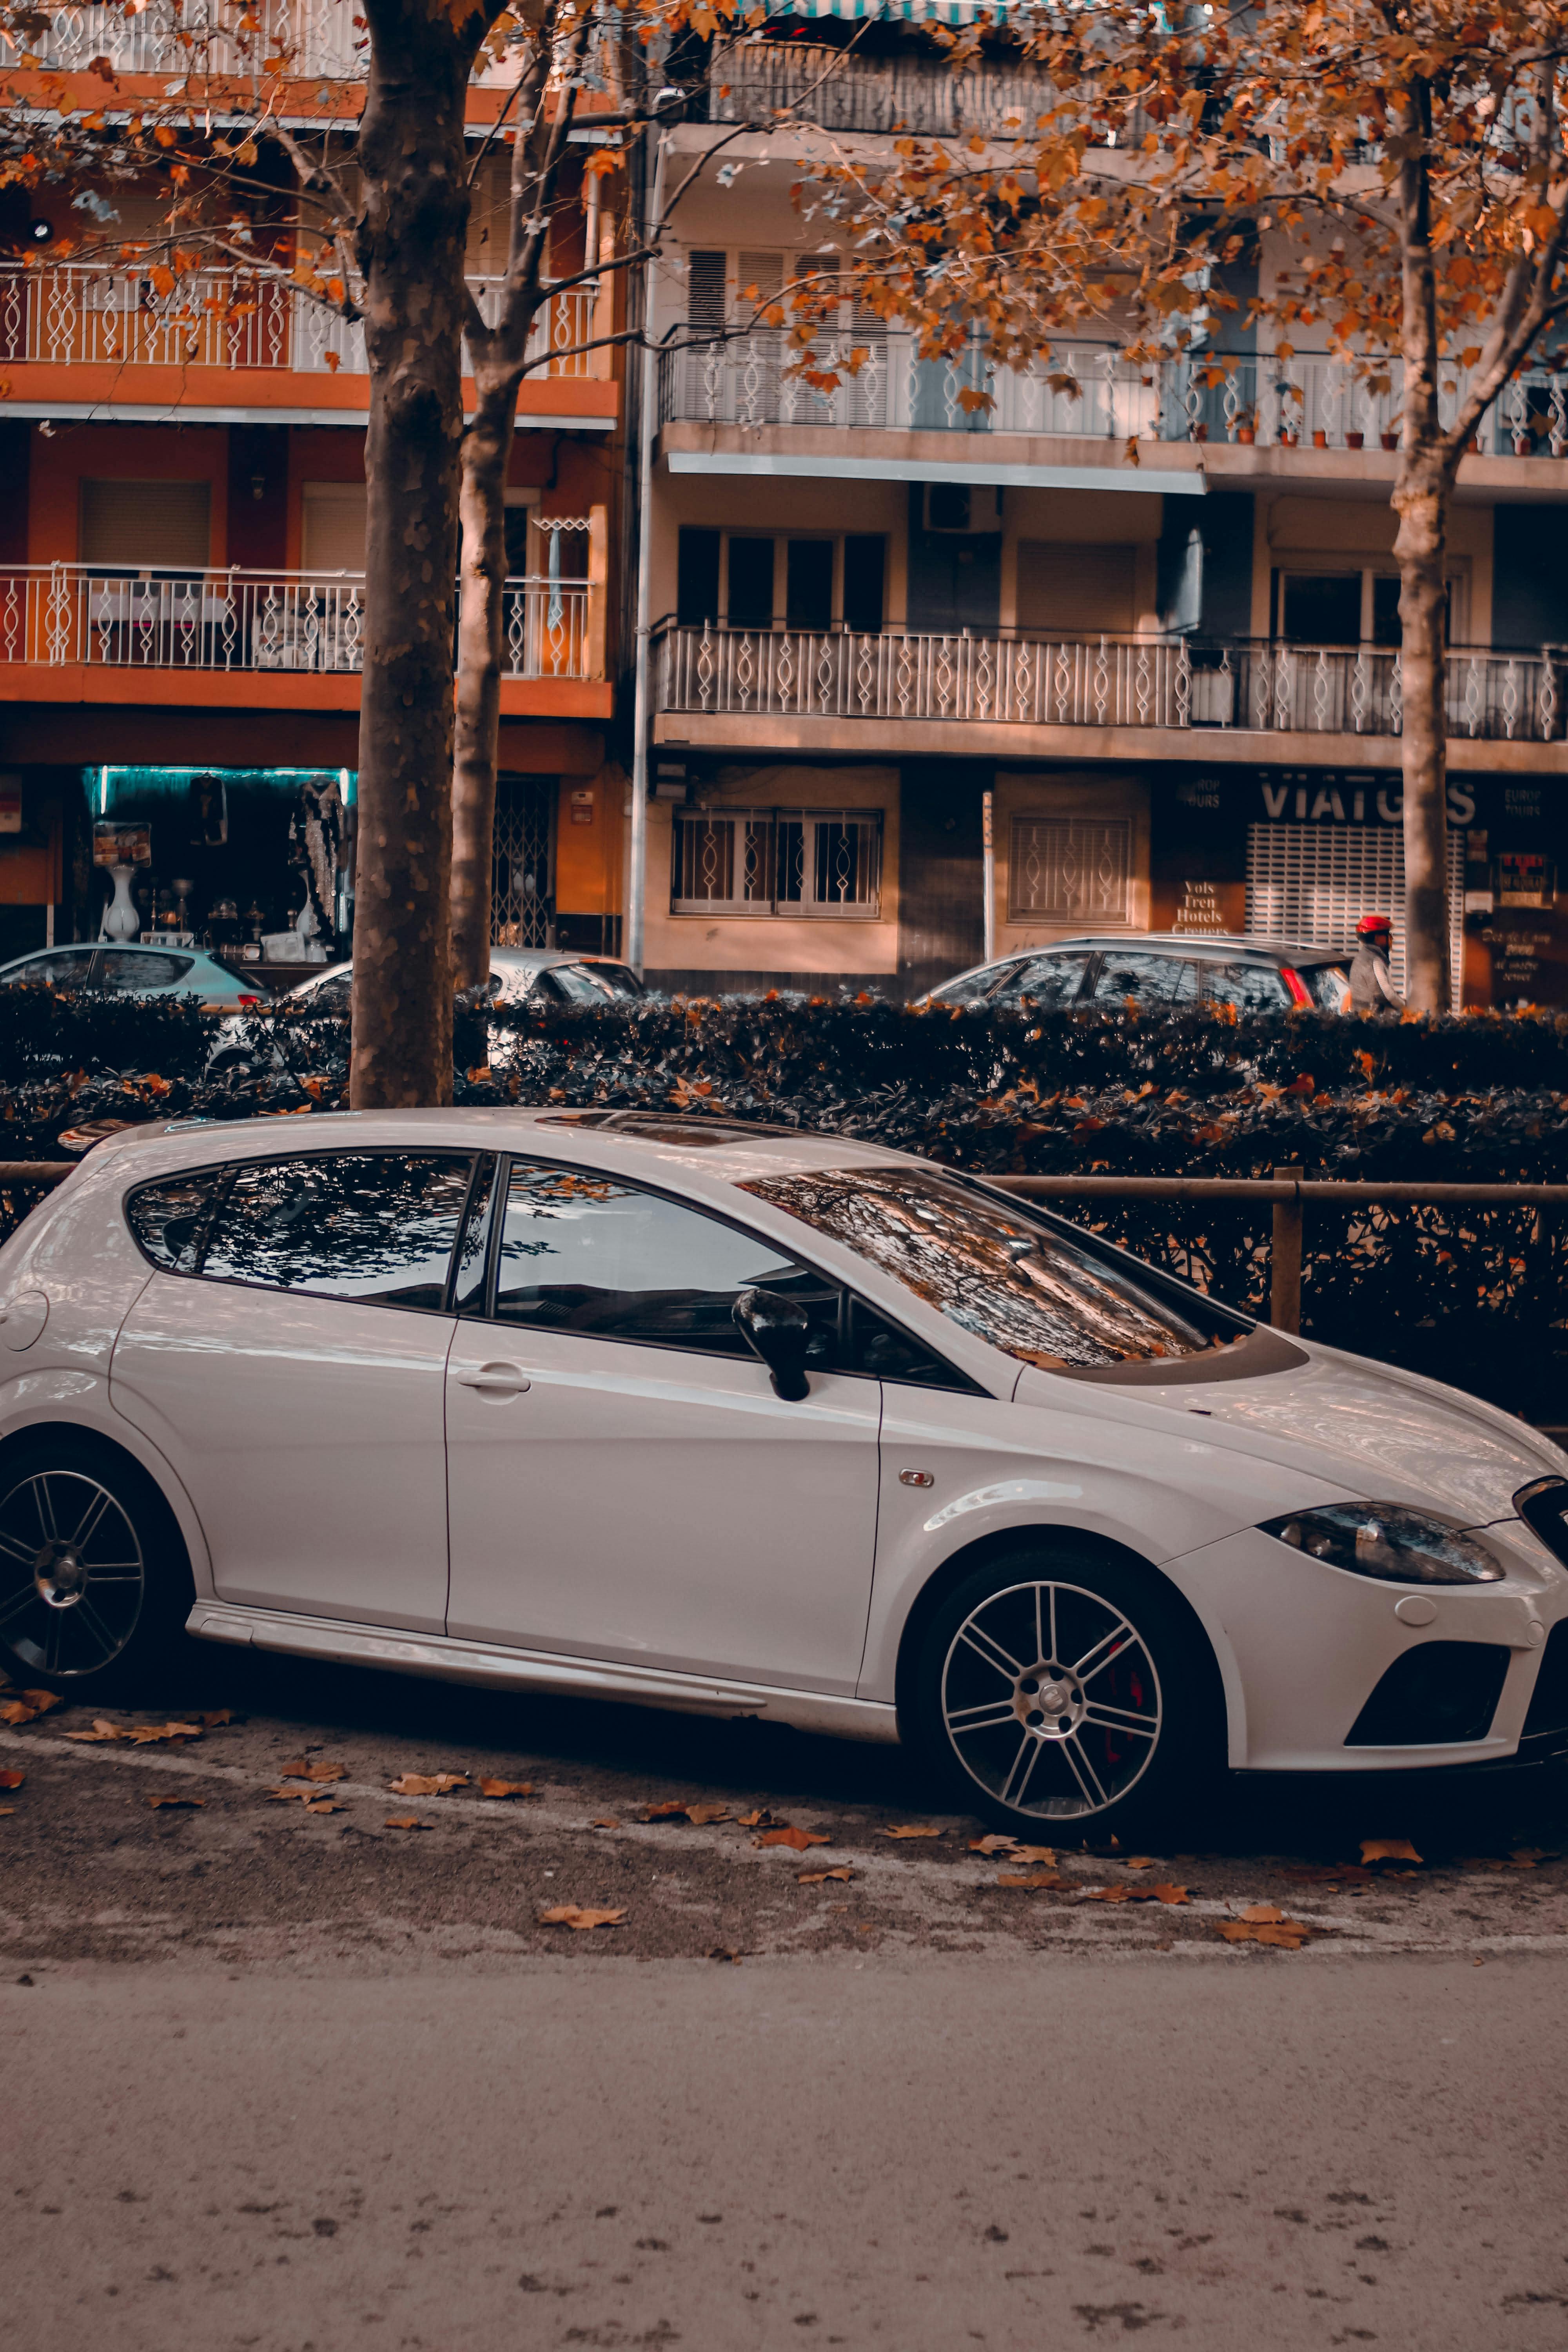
(1303, 1647)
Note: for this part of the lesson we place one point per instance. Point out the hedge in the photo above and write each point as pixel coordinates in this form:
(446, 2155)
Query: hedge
(1472, 1296)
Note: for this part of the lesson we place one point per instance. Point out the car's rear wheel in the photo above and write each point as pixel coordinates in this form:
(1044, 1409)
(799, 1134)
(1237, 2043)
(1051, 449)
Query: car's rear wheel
(1063, 1692)
(95, 1586)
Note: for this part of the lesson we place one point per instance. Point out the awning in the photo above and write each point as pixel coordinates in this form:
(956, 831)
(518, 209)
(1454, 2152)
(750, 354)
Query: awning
(909, 12)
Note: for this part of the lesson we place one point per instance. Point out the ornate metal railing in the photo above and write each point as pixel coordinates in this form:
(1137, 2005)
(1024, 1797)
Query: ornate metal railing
(60, 614)
(68, 314)
(748, 81)
(1097, 682)
(1089, 390)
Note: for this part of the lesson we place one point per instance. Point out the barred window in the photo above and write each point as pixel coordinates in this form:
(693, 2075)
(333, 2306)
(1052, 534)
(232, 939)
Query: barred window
(826, 862)
(1069, 870)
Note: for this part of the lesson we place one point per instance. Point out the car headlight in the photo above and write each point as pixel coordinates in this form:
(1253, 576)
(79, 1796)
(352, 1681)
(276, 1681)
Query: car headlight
(1389, 1541)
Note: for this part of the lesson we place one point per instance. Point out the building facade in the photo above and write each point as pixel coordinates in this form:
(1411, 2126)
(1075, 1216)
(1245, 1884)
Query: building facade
(1173, 667)
(181, 556)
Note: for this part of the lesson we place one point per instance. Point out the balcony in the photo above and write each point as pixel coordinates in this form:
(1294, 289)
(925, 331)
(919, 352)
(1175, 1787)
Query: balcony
(132, 337)
(1109, 698)
(748, 81)
(1239, 403)
(234, 638)
(305, 41)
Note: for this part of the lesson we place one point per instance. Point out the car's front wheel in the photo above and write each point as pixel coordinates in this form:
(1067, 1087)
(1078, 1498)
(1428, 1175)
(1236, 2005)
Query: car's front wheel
(95, 1586)
(1063, 1692)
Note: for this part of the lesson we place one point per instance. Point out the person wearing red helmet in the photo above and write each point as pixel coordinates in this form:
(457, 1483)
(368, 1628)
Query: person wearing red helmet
(1371, 982)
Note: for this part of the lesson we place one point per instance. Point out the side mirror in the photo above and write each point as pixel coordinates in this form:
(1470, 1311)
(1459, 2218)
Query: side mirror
(779, 1329)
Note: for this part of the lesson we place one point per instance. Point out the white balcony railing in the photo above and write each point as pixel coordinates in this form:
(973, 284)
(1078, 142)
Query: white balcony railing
(315, 37)
(68, 314)
(1096, 682)
(60, 614)
(1088, 391)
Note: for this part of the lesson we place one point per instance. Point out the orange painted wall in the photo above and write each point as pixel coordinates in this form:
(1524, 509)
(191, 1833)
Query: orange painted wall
(62, 460)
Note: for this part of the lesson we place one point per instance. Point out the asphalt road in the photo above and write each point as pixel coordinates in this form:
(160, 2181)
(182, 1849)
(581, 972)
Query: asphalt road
(297, 2081)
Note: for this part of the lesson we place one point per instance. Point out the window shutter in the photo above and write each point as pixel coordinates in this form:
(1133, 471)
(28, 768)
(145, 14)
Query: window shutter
(147, 526)
(335, 521)
(705, 291)
(763, 270)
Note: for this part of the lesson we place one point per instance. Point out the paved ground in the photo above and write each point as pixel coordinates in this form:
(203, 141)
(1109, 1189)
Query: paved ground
(297, 2081)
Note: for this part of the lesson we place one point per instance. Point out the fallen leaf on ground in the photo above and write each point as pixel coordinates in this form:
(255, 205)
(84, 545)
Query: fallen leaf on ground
(761, 1819)
(40, 1701)
(143, 1734)
(1166, 1892)
(722, 1952)
(1288, 1935)
(418, 1784)
(913, 1829)
(1528, 1857)
(1140, 1861)
(1041, 1854)
(674, 1809)
(156, 1801)
(27, 1706)
(302, 1768)
(324, 1805)
(7, 1809)
(12, 1780)
(408, 1822)
(216, 1715)
(1482, 1862)
(789, 1835)
(507, 1788)
(820, 1877)
(1263, 1914)
(1388, 1850)
(102, 1729)
(1034, 1878)
(568, 1914)
(604, 1824)
(995, 1844)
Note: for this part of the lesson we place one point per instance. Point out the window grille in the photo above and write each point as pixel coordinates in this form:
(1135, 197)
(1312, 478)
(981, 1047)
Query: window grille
(817, 862)
(1070, 870)
(1314, 883)
(521, 886)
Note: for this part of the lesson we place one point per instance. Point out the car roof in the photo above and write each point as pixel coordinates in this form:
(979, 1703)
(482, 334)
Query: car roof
(501, 960)
(703, 1150)
(1231, 945)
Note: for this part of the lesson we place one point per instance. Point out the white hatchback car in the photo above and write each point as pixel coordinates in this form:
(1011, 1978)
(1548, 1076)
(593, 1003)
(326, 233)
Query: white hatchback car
(753, 1422)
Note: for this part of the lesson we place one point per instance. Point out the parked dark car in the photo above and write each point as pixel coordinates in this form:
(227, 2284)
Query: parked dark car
(1161, 968)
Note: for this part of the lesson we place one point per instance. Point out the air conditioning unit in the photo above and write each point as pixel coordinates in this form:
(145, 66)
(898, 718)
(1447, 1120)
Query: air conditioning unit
(960, 509)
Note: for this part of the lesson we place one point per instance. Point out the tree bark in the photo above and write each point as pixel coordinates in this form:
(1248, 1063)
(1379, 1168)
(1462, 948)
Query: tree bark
(412, 156)
(485, 454)
(1420, 500)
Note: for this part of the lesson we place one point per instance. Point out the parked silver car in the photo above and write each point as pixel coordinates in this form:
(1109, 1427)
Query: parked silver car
(125, 967)
(1161, 968)
(515, 972)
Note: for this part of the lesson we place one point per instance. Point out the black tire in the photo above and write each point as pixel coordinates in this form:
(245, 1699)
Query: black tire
(95, 1584)
(1129, 1739)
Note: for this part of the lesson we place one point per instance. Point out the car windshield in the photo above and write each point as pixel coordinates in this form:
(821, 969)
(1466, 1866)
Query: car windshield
(996, 1270)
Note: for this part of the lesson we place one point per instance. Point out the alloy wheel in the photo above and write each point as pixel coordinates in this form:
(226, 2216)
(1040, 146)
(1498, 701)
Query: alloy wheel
(72, 1575)
(1050, 1700)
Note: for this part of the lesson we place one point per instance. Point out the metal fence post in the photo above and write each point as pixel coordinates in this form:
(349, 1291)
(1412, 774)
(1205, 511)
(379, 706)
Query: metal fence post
(1285, 1266)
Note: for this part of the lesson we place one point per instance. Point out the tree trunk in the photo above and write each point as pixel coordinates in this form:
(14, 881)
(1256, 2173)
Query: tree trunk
(1421, 500)
(1423, 536)
(411, 153)
(485, 454)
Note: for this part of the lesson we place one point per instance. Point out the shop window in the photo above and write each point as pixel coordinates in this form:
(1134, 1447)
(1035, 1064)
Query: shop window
(147, 526)
(814, 862)
(1077, 588)
(1070, 870)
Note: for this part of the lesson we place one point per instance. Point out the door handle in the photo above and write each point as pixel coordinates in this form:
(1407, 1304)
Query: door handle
(495, 1379)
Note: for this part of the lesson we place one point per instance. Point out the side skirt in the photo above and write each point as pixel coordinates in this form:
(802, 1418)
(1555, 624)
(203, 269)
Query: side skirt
(497, 1669)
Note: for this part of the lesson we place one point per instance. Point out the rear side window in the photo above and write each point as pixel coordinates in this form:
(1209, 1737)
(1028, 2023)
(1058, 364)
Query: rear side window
(378, 1227)
(1146, 979)
(131, 970)
(1250, 987)
(61, 968)
(169, 1220)
(1049, 980)
(1331, 986)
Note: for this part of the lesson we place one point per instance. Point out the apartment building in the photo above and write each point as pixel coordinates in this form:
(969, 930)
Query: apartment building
(1175, 671)
(181, 552)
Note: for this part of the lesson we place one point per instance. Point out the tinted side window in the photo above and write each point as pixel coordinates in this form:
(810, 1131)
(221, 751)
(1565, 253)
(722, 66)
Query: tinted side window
(980, 985)
(1148, 979)
(1050, 979)
(1250, 987)
(880, 1348)
(1329, 986)
(589, 1254)
(377, 1226)
(130, 970)
(169, 1218)
(62, 967)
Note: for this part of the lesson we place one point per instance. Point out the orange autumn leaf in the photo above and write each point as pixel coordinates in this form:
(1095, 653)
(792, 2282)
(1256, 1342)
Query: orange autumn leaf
(789, 1835)
(408, 1822)
(157, 1803)
(995, 1844)
(12, 1780)
(1106, 1894)
(820, 1877)
(31, 1704)
(1166, 1892)
(143, 1734)
(216, 1715)
(604, 1822)
(676, 1809)
(571, 1915)
(761, 1819)
(102, 1729)
(423, 1784)
(913, 1830)
(1033, 1878)
(1045, 1854)
(503, 1789)
(1388, 1850)
(302, 1768)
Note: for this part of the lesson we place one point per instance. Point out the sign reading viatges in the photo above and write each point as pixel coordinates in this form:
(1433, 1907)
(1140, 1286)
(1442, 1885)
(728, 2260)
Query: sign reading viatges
(1348, 800)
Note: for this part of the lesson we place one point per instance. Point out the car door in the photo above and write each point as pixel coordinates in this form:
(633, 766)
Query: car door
(288, 1357)
(623, 1482)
